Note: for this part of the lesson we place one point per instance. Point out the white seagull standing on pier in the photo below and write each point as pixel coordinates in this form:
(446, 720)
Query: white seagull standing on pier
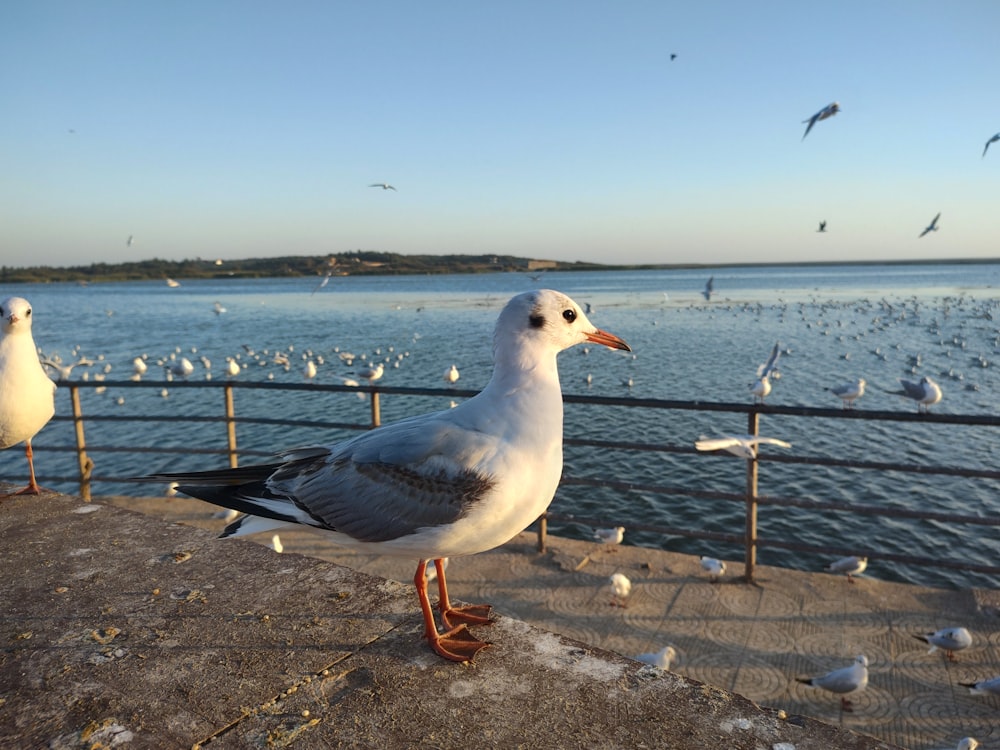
(446, 484)
(828, 111)
(610, 536)
(843, 681)
(621, 587)
(850, 566)
(948, 640)
(715, 568)
(984, 687)
(661, 659)
(27, 394)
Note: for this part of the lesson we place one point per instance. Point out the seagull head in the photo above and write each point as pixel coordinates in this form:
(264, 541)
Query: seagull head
(545, 321)
(14, 311)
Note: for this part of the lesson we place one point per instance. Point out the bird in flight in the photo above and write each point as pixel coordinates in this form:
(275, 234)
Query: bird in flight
(822, 227)
(932, 227)
(383, 185)
(828, 111)
(994, 139)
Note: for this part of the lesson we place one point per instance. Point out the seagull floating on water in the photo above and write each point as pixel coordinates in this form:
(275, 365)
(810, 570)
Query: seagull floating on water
(850, 566)
(932, 227)
(994, 139)
(744, 446)
(27, 394)
(843, 681)
(445, 484)
(828, 111)
(948, 640)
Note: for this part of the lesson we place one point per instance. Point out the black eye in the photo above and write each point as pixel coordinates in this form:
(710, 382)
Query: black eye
(28, 313)
(569, 315)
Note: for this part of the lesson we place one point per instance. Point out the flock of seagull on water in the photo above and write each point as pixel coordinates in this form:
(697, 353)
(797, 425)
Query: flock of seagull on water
(435, 486)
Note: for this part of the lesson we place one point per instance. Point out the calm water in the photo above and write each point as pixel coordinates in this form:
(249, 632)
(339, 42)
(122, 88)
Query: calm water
(834, 323)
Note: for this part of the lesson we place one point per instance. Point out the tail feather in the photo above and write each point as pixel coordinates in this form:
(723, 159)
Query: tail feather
(230, 476)
(253, 499)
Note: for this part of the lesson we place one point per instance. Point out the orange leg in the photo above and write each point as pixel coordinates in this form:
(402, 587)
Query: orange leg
(455, 644)
(32, 488)
(473, 614)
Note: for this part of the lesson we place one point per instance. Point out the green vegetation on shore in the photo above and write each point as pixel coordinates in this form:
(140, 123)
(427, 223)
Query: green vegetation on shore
(358, 263)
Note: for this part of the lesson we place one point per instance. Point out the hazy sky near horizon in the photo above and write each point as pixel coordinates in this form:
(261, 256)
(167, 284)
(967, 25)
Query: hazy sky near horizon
(557, 130)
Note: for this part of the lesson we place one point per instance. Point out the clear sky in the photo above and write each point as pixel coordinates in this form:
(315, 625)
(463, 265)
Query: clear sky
(560, 130)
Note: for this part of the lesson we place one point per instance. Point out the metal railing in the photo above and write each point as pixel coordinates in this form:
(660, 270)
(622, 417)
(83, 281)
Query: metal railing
(749, 497)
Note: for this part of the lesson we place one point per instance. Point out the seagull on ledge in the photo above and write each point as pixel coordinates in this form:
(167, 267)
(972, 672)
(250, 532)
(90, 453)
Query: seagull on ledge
(846, 680)
(27, 395)
(445, 484)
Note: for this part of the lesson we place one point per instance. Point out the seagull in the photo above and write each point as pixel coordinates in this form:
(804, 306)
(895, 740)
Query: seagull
(948, 640)
(621, 587)
(852, 566)
(64, 371)
(994, 139)
(926, 392)
(828, 111)
(610, 536)
(932, 227)
(709, 288)
(325, 281)
(218, 309)
(129, 241)
(843, 681)
(445, 484)
(984, 687)
(762, 386)
(849, 392)
(744, 446)
(27, 395)
(371, 374)
(310, 371)
(232, 367)
(967, 743)
(715, 568)
(660, 659)
(822, 227)
(383, 185)
(673, 56)
(451, 375)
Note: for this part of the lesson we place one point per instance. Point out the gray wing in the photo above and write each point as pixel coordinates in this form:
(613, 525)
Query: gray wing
(388, 483)
(843, 680)
(911, 389)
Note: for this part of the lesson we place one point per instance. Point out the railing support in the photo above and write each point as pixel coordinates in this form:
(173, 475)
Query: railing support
(234, 459)
(85, 464)
(750, 544)
(543, 530)
(376, 410)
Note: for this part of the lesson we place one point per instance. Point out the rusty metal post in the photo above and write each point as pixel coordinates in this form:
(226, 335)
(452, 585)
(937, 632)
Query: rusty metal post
(750, 550)
(231, 426)
(543, 529)
(85, 464)
(376, 410)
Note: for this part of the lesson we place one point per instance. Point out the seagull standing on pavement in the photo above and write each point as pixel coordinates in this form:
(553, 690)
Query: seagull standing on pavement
(27, 394)
(828, 111)
(948, 640)
(445, 484)
(850, 566)
(715, 568)
(621, 587)
(843, 681)
(610, 536)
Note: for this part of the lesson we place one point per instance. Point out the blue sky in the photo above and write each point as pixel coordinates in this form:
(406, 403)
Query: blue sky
(554, 130)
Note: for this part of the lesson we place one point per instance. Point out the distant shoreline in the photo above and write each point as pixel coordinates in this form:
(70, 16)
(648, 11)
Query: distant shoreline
(385, 264)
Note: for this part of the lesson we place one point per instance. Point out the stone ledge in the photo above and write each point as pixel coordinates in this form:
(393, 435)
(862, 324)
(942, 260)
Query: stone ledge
(132, 632)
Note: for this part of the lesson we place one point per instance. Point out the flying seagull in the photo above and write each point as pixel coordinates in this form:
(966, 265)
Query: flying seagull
(932, 227)
(828, 111)
(994, 139)
(743, 446)
(383, 185)
(445, 484)
(822, 227)
(709, 288)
